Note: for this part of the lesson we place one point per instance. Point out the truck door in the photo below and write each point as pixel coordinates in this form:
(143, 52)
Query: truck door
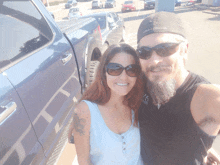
(41, 67)
(17, 137)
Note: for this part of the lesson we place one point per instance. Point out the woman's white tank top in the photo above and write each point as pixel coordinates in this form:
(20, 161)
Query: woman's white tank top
(109, 148)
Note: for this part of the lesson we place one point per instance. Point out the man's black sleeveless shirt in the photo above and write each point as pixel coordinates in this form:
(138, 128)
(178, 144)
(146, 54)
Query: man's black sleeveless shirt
(170, 135)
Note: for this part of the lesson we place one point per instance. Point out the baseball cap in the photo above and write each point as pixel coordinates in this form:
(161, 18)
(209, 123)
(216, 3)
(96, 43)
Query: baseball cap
(161, 22)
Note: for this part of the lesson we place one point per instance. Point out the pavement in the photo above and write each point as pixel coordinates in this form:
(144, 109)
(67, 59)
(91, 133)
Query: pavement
(203, 25)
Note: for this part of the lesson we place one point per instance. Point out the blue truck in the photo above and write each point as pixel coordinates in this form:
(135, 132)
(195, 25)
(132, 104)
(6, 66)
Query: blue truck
(44, 68)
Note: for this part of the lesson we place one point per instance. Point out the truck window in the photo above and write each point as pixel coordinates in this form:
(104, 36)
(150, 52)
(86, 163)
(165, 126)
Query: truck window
(115, 16)
(23, 30)
(102, 21)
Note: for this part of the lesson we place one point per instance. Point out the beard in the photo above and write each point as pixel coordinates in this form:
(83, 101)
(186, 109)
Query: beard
(161, 91)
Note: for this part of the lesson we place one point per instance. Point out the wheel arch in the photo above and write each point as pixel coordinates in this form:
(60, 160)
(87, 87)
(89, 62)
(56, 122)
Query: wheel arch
(96, 54)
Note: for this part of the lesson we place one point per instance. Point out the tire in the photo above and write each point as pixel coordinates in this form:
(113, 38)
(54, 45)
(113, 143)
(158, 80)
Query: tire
(91, 72)
(104, 48)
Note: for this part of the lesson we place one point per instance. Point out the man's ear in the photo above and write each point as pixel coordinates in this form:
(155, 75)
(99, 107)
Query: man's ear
(187, 45)
(184, 48)
(184, 52)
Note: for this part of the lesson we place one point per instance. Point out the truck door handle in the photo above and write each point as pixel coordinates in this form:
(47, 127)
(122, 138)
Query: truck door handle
(9, 109)
(67, 57)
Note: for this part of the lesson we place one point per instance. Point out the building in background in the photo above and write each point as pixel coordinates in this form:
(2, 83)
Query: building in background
(161, 5)
(211, 2)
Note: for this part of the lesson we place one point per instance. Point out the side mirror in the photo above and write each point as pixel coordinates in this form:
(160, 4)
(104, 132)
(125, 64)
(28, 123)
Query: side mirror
(112, 25)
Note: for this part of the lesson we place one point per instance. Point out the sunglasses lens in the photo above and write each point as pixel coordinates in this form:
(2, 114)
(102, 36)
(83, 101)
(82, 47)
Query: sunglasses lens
(167, 49)
(114, 69)
(133, 70)
(163, 50)
(144, 52)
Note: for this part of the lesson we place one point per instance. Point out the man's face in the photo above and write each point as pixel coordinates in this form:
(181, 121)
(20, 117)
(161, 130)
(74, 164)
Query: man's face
(157, 68)
(163, 73)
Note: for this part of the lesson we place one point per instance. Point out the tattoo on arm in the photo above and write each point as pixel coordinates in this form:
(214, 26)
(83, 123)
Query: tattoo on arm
(79, 124)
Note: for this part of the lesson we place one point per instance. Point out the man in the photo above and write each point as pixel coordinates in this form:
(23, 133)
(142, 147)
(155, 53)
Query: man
(180, 113)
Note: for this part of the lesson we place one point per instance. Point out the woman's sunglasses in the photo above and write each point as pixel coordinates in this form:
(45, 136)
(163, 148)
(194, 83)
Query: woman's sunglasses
(114, 69)
(163, 50)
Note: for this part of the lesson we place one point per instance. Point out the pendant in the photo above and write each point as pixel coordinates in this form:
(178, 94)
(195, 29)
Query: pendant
(158, 106)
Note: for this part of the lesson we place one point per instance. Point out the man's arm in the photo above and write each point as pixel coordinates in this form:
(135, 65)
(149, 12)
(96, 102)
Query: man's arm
(218, 86)
(81, 131)
(212, 93)
(205, 108)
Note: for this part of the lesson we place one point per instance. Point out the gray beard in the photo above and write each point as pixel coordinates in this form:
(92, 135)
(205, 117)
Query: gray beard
(162, 91)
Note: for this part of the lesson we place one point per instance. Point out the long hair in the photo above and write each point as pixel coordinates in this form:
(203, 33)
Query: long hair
(99, 92)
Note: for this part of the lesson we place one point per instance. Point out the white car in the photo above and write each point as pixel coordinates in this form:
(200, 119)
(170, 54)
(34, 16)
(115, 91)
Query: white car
(74, 13)
(97, 4)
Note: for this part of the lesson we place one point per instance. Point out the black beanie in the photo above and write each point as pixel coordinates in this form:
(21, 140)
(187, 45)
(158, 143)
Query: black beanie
(161, 22)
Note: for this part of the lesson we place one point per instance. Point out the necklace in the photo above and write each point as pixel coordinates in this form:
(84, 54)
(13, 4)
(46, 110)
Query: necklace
(158, 106)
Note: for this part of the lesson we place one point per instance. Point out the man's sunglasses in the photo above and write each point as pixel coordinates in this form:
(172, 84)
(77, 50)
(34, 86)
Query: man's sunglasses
(163, 50)
(114, 69)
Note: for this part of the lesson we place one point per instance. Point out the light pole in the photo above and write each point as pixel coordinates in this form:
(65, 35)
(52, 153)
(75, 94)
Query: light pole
(47, 3)
(164, 5)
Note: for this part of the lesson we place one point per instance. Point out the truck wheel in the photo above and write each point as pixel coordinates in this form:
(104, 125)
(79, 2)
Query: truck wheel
(104, 48)
(91, 73)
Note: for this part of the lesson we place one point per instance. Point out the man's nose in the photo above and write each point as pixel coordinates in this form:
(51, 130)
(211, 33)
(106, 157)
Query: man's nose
(155, 58)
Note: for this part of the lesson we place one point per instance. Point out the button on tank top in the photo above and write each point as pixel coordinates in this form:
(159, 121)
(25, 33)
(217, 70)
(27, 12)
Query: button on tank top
(109, 148)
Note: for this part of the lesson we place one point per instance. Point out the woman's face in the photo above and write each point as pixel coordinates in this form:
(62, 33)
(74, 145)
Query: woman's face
(122, 84)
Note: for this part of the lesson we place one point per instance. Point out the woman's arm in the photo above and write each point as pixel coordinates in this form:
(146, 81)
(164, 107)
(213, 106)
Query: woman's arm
(81, 128)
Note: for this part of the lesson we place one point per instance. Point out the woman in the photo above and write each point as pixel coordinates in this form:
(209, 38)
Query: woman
(105, 123)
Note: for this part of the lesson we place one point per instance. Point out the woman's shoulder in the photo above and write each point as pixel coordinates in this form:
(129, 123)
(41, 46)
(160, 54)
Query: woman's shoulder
(82, 110)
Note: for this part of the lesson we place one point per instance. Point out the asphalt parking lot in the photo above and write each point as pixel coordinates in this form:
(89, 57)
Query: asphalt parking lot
(203, 34)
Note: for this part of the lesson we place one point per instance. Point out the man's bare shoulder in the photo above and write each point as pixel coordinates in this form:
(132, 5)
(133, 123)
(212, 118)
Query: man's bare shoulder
(209, 92)
(206, 103)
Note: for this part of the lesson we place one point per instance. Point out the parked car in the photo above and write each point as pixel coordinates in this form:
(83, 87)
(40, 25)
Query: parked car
(74, 13)
(44, 67)
(112, 28)
(97, 4)
(128, 6)
(177, 2)
(149, 4)
(110, 3)
(70, 3)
